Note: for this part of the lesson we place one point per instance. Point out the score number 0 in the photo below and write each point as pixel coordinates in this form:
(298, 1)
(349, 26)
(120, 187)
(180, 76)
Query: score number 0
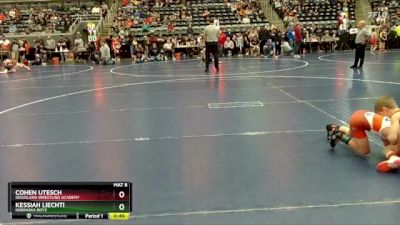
(121, 195)
(121, 207)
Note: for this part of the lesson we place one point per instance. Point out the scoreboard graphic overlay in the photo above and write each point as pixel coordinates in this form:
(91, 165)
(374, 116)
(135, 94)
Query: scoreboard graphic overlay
(70, 200)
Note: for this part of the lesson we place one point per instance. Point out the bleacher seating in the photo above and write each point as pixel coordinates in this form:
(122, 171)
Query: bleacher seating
(42, 17)
(324, 13)
(194, 9)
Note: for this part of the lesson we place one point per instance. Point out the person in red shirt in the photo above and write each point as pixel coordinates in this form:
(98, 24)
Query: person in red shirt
(170, 27)
(152, 39)
(2, 17)
(148, 20)
(27, 47)
(298, 38)
(221, 42)
(129, 24)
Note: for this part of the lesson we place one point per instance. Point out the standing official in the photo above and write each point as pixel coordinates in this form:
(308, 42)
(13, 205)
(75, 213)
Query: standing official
(361, 40)
(298, 39)
(211, 34)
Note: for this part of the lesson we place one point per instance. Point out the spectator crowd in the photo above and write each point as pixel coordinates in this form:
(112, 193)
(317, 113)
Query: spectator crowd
(153, 45)
(34, 18)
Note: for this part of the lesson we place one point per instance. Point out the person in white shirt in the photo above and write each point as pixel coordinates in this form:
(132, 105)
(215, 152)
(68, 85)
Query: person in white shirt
(240, 43)
(5, 44)
(11, 13)
(168, 48)
(105, 55)
(104, 6)
(343, 25)
(229, 45)
(96, 10)
(360, 41)
(233, 7)
(50, 46)
(278, 4)
(286, 48)
(246, 20)
(211, 35)
(122, 32)
(79, 44)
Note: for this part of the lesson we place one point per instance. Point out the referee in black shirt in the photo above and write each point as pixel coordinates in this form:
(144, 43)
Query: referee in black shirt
(211, 35)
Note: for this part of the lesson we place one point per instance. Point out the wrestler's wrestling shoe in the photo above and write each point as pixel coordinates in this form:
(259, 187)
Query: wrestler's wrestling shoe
(388, 165)
(333, 134)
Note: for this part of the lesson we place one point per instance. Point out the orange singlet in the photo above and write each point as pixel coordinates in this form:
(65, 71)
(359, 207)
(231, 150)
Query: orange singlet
(363, 120)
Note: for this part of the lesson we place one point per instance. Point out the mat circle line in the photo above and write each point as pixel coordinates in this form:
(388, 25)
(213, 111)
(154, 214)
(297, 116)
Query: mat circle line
(183, 79)
(305, 64)
(90, 68)
(322, 58)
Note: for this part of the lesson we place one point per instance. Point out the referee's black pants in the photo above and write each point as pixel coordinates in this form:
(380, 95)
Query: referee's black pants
(360, 54)
(212, 48)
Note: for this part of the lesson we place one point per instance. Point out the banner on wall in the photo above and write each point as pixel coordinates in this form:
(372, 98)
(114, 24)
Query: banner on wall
(91, 27)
